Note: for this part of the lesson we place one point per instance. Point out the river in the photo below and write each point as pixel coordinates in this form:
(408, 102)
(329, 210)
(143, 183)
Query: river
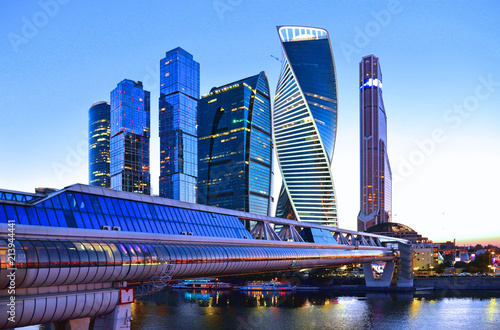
(185, 309)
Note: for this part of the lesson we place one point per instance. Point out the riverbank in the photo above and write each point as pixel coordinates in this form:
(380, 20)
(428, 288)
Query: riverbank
(458, 283)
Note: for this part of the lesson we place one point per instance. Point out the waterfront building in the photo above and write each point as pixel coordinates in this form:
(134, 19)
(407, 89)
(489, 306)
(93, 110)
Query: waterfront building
(305, 125)
(179, 94)
(129, 142)
(234, 146)
(426, 257)
(375, 169)
(99, 130)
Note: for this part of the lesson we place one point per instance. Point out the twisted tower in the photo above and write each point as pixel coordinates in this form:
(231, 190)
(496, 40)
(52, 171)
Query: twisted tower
(305, 125)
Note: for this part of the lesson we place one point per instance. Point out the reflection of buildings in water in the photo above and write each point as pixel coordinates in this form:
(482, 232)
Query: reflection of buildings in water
(202, 298)
(492, 310)
(266, 298)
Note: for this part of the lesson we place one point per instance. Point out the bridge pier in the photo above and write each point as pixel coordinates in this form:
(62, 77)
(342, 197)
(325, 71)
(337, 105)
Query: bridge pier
(405, 265)
(384, 281)
(119, 318)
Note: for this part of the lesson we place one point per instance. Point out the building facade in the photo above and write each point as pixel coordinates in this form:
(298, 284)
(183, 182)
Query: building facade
(375, 170)
(99, 131)
(305, 125)
(234, 148)
(129, 142)
(179, 94)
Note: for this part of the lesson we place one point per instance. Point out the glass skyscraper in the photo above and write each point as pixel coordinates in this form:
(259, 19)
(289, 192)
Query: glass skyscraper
(375, 170)
(305, 125)
(129, 143)
(179, 94)
(234, 148)
(99, 130)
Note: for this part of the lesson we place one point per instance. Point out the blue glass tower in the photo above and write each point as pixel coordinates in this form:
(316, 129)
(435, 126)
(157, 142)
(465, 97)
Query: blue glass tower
(234, 146)
(179, 94)
(129, 143)
(305, 125)
(99, 130)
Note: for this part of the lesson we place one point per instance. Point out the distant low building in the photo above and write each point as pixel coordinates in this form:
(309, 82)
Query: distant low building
(425, 258)
(397, 230)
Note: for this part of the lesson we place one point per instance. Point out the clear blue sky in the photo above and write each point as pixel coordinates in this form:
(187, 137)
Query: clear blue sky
(58, 60)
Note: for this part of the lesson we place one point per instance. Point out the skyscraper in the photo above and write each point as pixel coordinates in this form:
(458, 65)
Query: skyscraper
(305, 125)
(129, 143)
(99, 129)
(375, 170)
(234, 148)
(179, 94)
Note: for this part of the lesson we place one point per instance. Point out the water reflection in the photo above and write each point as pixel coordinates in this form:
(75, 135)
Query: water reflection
(180, 309)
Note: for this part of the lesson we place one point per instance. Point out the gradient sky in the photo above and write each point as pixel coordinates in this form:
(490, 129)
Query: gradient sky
(441, 72)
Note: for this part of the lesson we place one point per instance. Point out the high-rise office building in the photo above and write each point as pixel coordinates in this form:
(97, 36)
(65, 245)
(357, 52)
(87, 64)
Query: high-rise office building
(375, 170)
(129, 143)
(305, 125)
(99, 130)
(179, 94)
(234, 148)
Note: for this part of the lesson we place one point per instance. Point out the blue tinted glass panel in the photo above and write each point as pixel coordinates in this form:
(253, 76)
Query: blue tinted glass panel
(52, 218)
(158, 212)
(47, 204)
(168, 227)
(140, 223)
(3, 216)
(57, 203)
(11, 212)
(124, 208)
(110, 206)
(154, 225)
(64, 201)
(86, 221)
(70, 219)
(79, 203)
(152, 211)
(44, 221)
(162, 228)
(21, 213)
(130, 209)
(148, 226)
(61, 219)
(123, 224)
(130, 224)
(78, 220)
(103, 220)
(136, 210)
(117, 207)
(142, 211)
(88, 203)
(115, 221)
(94, 221)
(102, 204)
(146, 209)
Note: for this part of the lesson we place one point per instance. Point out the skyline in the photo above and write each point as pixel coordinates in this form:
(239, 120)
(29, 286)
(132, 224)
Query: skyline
(430, 72)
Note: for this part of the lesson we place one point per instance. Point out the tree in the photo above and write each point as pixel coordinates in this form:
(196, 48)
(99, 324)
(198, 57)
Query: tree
(479, 264)
(440, 268)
